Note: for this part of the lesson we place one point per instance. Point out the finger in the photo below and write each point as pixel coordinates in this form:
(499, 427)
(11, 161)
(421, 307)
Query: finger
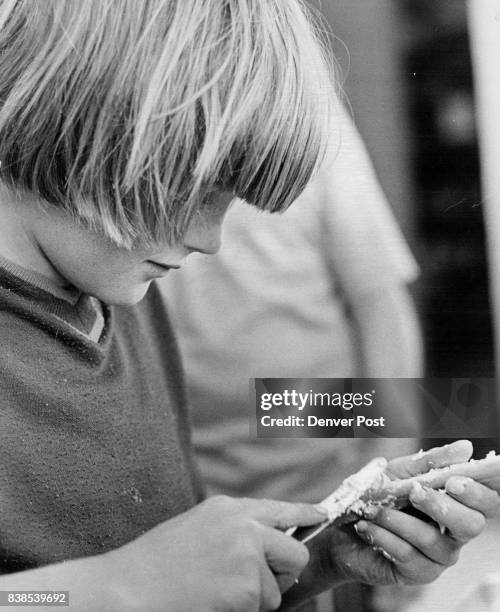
(462, 522)
(283, 515)
(270, 590)
(425, 537)
(285, 556)
(409, 562)
(419, 463)
(474, 495)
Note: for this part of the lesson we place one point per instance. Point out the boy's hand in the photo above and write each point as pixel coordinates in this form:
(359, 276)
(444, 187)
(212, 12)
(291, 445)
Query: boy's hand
(225, 554)
(416, 548)
(393, 546)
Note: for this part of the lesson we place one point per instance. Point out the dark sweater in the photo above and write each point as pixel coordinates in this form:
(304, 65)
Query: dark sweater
(94, 440)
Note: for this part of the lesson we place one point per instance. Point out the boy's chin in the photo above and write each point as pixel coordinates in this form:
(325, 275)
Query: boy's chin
(124, 296)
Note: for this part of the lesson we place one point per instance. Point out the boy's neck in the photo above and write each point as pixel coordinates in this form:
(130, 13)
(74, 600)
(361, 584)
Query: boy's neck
(18, 242)
(38, 280)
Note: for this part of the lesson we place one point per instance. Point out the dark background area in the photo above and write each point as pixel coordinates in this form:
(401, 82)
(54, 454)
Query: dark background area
(406, 70)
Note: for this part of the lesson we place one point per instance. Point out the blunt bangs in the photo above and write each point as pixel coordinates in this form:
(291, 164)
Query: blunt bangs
(128, 113)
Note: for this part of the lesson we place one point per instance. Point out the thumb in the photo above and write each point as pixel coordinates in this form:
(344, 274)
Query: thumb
(283, 515)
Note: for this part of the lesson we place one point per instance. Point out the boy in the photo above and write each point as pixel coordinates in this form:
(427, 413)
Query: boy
(125, 130)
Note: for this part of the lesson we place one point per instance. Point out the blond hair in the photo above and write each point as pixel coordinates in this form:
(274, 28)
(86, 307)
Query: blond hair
(127, 113)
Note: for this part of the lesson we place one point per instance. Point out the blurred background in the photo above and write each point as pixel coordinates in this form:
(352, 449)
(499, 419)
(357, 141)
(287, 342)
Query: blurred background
(407, 73)
(407, 70)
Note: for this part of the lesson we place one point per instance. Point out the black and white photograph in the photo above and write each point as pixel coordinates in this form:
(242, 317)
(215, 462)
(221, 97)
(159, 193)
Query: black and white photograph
(250, 305)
